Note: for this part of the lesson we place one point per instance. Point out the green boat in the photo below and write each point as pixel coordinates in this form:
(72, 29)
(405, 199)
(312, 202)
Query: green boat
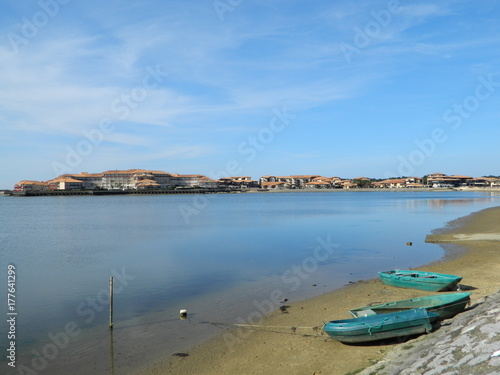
(445, 305)
(382, 326)
(430, 281)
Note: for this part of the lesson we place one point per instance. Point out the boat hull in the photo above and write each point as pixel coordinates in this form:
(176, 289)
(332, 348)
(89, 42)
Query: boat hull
(429, 281)
(445, 305)
(383, 326)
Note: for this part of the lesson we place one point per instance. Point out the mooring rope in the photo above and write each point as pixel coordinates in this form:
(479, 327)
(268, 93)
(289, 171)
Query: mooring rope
(376, 327)
(259, 327)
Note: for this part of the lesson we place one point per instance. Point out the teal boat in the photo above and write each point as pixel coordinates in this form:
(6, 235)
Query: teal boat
(430, 281)
(382, 326)
(445, 305)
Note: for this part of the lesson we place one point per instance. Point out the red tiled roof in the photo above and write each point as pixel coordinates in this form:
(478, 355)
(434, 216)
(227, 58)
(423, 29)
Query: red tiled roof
(127, 171)
(64, 179)
(84, 174)
(148, 182)
(29, 182)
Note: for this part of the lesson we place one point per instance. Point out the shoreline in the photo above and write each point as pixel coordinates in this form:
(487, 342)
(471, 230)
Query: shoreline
(281, 351)
(43, 193)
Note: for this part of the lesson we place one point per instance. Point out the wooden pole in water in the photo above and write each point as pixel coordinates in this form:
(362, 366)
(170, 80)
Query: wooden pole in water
(111, 350)
(111, 302)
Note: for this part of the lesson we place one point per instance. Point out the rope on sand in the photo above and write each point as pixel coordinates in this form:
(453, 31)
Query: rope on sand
(257, 327)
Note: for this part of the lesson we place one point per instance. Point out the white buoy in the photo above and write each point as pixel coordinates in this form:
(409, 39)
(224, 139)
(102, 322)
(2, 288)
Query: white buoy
(183, 313)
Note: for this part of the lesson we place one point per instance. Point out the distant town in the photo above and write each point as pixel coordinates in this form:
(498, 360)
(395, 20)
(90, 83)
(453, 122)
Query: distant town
(151, 180)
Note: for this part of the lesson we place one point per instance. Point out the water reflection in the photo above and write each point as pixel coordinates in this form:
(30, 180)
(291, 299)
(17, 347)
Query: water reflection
(235, 251)
(439, 204)
(111, 352)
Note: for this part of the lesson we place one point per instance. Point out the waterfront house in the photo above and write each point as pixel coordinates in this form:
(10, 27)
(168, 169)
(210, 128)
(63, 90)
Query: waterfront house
(478, 182)
(275, 185)
(238, 182)
(415, 185)
(89, 180)
(65, 183)
(294, 181)
(441, 180)
(208, 183)
(318, 185)
(395, 183)
(29, 185)
(484, 182)
(186, 180)
(494, 182)
(347, 184)
(119, 179)
(146, 184)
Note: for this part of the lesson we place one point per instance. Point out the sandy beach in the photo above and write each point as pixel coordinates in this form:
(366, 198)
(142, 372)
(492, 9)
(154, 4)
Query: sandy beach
(472, 251)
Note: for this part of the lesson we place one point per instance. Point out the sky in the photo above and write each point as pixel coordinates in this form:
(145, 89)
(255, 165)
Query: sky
(249, 87)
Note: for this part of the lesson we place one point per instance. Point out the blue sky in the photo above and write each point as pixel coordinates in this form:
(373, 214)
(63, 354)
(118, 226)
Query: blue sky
(249, 87)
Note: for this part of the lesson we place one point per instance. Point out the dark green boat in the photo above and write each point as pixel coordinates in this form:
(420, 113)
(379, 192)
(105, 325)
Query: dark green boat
(431, 281)
(382, 326)
(445, 305)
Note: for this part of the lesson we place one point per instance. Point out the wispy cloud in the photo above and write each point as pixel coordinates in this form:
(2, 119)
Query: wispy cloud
(221, 79)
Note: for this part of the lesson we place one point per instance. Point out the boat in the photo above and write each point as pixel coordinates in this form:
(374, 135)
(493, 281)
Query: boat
(430, 281)
(381, 326)
(445, 305)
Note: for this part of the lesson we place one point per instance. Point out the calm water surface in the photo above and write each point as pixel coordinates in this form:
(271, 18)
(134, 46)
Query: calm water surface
(220, 256)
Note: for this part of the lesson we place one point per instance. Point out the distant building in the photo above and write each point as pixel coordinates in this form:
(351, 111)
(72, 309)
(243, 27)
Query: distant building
(65, 183)
(208, 183)
(275, 185)
(441, 180)
(128, 179)
(120, 179)
(318, 184)
(27, 185)
(400, 183)
(484, 182)
(89, 180)
(292, 182)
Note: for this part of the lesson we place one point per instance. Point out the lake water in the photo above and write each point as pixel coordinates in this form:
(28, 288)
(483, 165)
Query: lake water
(222, 257)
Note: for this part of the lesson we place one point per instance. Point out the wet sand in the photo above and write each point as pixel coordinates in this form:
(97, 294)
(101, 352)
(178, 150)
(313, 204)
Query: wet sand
(276, 348)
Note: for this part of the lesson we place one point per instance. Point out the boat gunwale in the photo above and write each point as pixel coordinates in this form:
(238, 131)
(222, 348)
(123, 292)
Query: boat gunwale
(450, 300)
(413, 314)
